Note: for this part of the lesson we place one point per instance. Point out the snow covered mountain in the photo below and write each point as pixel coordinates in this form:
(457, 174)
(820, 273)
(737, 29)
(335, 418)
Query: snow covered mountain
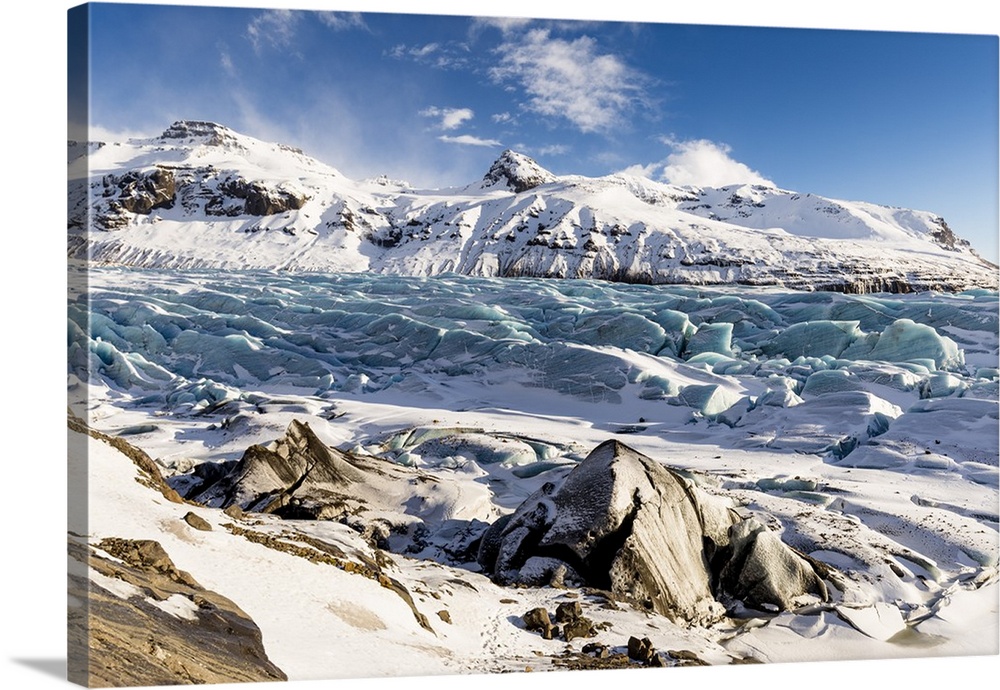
(201, 195)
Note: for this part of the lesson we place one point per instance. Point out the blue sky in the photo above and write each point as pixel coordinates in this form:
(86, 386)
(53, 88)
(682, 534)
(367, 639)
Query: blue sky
(904, 119)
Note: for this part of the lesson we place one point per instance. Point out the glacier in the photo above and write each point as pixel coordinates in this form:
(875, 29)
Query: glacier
(859, 430)
(192, 341)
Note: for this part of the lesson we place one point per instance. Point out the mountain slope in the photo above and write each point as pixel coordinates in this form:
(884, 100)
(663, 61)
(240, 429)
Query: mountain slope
(203, 196)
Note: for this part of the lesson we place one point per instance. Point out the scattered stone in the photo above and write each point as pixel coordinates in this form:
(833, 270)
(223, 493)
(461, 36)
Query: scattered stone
(686, 657)
(234, 511)
(537, 619)
(599, 650)
(445, 616)
(568, 611)
(198, 522)
(579, 627)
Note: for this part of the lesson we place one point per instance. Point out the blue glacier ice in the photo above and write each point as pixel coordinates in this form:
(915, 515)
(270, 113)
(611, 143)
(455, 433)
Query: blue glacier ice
(817, 372)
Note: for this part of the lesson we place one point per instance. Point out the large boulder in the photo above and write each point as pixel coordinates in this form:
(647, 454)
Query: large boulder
(621, 522)
(625, 523)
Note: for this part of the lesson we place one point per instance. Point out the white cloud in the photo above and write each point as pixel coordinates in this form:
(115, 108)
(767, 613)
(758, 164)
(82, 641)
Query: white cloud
(469, 140)
(553, 150)
(501, 118)
(450, 118)
(571, 79)
(705, 163)
(638, 170)
(341, 21)
(449, 55)
(272, 27)
(504, 24)
(226, 61)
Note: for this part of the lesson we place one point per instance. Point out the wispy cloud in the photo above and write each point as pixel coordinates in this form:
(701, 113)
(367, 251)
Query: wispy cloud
(342, 21)
(571, 79)
(226, 61)
(699, 162)
(504, 24)
(449, 55)
(553, 150)
(449, 118)
(502, 118)
(468, 140)
(274, 28)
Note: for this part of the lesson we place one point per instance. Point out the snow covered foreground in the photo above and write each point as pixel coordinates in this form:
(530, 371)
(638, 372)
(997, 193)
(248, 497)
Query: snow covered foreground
(862, 430)
(204, 196)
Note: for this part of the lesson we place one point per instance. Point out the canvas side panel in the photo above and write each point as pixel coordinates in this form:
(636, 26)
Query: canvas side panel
(78, 120)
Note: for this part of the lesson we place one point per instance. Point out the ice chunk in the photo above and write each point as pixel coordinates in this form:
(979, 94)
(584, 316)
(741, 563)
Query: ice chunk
(814, 339)
(624, 330)
(880, 621)
(677, 328)
(710, 400)
(941, 384)
(711, 337)
(832, 381)
(907, 340)
(828, 423)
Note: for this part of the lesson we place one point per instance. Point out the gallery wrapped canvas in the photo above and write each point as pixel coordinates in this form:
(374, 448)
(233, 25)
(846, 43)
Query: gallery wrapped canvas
(409, 345)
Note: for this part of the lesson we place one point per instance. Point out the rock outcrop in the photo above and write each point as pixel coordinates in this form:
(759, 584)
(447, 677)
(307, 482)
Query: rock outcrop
(136, 191)
(296, 476)
(152, 624)
(257, 199)
(300, 477)
(625, 523)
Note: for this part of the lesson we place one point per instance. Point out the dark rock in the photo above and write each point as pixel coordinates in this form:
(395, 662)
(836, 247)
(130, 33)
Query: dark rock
(641, 650)
(537, 619)
(597, 649)
(763, 571)
(444, 616)
(140, 191)
(625, 523)
(198, 522)
(259, 199)
(568, 611)
(297, 476)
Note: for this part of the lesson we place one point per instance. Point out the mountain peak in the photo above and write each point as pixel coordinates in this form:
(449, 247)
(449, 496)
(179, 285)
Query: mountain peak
(516, 172)
(212, 133)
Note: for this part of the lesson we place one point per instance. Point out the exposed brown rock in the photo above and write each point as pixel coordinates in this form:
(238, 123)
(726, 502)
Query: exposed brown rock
(134, 640)
(198, 522)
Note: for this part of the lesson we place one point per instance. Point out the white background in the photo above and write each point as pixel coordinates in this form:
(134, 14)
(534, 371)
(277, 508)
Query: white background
(33, 335)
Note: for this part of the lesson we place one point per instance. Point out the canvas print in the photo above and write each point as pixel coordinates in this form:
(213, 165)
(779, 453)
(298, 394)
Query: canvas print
(407, 345)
